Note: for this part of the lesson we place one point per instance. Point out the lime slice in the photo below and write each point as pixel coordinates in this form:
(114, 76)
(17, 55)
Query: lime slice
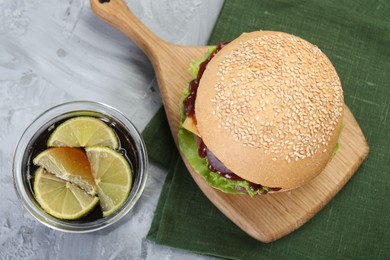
(69, 164)
(113, 177)
(60, 198)
(83, 131)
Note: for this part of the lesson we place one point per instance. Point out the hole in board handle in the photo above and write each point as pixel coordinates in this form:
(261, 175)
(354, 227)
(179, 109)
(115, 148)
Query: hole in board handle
(104, 1)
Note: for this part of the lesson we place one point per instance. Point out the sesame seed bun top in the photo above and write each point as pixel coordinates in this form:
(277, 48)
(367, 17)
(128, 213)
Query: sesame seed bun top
(270, 107)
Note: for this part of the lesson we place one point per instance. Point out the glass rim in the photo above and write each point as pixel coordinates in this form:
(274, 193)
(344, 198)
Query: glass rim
(50, 115)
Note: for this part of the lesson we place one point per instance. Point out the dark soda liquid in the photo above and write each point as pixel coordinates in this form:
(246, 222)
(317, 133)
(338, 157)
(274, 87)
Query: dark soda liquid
(39, 141)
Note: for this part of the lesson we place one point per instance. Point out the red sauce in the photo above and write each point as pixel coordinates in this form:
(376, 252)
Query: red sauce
(189, 110)
(202, 149)
(189, 101)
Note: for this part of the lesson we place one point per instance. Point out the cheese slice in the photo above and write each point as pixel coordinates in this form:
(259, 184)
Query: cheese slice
(190, 125)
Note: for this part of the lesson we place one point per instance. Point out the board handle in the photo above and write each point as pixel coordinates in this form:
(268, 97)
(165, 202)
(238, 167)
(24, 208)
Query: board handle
(117, 14)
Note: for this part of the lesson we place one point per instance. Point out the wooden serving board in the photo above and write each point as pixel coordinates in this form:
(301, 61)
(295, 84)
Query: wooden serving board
(265, 218)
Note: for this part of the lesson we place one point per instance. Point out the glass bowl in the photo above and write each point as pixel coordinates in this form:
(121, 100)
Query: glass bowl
(33, 140)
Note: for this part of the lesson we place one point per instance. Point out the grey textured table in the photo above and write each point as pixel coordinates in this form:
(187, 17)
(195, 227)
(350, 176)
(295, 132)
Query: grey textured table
(57, 51)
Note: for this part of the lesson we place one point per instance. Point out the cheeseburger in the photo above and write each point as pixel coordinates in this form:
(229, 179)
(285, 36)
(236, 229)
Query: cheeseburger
(263, 114)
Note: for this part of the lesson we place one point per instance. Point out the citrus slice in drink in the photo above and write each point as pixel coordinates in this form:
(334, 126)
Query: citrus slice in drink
(69, 164)
(83, 131)
(60, 198)
(113, 177)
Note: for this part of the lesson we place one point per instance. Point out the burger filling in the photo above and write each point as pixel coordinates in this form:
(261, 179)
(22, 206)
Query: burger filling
(203, 160)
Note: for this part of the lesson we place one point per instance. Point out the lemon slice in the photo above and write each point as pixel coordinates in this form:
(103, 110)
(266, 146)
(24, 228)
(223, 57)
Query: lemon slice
(113, 177)
(60, 198)
(70, 164)
(83, 131)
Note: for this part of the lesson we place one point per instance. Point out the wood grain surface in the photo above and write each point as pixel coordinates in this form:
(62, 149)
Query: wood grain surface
(265, 218)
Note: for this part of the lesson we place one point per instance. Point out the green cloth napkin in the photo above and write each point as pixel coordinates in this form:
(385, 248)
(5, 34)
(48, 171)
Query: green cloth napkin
(355, 35)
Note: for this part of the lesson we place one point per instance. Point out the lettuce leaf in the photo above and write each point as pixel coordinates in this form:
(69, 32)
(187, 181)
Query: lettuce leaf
(337, 147)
